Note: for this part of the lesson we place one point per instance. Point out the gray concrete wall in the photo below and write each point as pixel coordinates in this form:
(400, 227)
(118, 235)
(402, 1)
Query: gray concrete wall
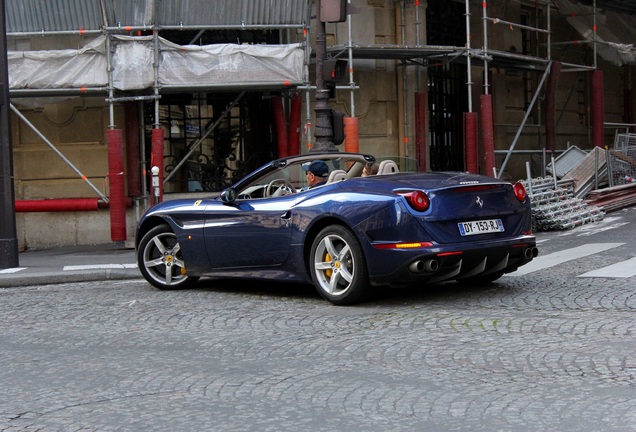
(45, 230)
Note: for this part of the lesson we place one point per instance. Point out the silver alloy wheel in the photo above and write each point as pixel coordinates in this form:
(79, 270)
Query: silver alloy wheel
(162, 260)
(334, 265)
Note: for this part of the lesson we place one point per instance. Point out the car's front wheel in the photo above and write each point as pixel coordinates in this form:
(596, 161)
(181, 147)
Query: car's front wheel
(338, 267)
(160, 261)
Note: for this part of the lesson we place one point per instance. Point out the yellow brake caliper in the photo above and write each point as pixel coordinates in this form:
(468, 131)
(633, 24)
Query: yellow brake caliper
(336, 264)
(328, 272)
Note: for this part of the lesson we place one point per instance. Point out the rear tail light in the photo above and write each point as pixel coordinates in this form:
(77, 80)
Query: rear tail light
(417, 199)
(520, 192)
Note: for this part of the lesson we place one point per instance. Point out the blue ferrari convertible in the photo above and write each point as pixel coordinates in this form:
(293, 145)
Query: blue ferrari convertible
(315, 218)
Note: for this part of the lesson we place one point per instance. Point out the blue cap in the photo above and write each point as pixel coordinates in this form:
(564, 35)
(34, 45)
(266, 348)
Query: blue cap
(317, 168)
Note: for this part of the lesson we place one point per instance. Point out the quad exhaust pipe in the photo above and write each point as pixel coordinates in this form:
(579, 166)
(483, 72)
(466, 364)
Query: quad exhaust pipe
(421, 266)
(432, 265)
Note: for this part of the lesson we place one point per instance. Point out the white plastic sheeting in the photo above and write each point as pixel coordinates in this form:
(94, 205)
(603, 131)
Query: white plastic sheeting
(85, 67)
(132, 63)
(226, 64)
(213, 66)
(612, 30)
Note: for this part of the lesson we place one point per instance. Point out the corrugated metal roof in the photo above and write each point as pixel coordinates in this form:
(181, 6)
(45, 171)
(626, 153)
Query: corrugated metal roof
(24, 16)
(41, 16)
(233, 12)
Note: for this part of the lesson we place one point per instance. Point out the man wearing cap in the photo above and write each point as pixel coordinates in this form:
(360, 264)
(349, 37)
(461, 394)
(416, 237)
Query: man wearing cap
(316, 172)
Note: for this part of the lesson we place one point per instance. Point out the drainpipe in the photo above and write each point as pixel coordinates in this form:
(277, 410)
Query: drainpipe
(63, 205)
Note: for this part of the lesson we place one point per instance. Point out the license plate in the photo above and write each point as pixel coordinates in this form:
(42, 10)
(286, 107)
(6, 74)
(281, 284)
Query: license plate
(480, 227)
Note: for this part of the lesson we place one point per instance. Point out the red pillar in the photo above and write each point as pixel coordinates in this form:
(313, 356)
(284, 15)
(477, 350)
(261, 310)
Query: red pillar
(598, 109)
(133, 155)
(293, 133)
(487, 134)
(281, 126)
(117, 199)
(470, 142)
(420, 131)
(156, 159)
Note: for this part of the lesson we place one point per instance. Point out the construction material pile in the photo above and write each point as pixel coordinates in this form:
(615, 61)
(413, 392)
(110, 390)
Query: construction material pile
(584, 185)
(613, 198)
(554, 206)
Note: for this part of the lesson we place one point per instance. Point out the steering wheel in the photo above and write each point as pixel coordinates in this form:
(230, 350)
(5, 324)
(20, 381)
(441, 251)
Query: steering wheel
(283, 188)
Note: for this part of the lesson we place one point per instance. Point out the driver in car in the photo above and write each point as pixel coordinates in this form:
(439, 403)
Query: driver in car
(317, 173)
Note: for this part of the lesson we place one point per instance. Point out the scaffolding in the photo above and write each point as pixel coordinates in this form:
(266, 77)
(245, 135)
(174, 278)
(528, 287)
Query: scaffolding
(125, 59)
(422, 56)
(119, 45)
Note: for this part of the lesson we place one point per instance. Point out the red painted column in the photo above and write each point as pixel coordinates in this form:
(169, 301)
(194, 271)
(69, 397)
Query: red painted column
(156, 159)
(117, 199)
(487, 135)
(597, 109)
(470, 143)
(420, 131)
(293, 133)
(281, 126)
(133, 154)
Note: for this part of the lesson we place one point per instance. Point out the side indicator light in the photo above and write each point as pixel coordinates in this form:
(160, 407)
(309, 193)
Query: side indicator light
(415, 245)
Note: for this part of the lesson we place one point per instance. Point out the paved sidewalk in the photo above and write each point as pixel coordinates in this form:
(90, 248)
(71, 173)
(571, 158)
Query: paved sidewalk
(72, 264)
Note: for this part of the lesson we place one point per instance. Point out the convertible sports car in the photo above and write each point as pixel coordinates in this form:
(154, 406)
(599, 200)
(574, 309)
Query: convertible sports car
(344, 236)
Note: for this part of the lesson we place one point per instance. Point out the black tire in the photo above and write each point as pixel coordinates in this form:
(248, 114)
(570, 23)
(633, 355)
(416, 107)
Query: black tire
(160, 261)
(338, 267)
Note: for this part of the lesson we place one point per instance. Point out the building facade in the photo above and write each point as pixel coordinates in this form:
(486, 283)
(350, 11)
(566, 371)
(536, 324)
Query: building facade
(103, 91)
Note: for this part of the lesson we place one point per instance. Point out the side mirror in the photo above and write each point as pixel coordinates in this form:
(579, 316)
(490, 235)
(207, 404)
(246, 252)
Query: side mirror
(228, 195)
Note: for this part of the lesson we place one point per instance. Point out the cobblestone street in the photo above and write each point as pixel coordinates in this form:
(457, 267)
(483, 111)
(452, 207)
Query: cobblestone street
(548, 351)
(121, 356)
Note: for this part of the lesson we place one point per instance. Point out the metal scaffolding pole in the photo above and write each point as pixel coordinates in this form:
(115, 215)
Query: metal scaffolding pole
(8, 233)
(525, 119)
(198, 142)
(59, 153)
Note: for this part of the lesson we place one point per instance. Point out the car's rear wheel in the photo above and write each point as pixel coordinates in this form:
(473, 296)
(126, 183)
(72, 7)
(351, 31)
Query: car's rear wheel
(338, 267)
(160, 261)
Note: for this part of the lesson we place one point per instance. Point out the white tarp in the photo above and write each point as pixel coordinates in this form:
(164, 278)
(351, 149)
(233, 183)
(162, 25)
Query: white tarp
(85, 67)
(613, 30)
(227, 63)
(133, 59)
(132, 62)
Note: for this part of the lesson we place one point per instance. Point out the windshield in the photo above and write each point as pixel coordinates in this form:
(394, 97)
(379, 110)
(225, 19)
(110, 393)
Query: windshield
(292, 176)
